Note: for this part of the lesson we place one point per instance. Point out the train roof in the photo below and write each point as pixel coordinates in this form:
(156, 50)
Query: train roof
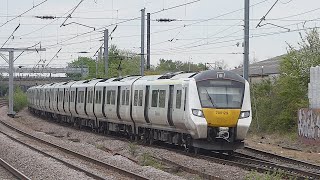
(218, 74)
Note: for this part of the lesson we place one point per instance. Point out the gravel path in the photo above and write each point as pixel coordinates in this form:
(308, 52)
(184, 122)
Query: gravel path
(102, 148)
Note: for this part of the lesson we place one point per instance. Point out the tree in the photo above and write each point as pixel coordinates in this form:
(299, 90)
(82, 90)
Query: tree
(276, 102)
(121, 62)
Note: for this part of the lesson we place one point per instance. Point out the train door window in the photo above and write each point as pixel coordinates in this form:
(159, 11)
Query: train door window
(100, 96)
(140, 97)
(67, 96)
(162, 98)
(127, 97)
(154, 101)
(97, 96)
(178, 99)
(185, 99)
(113, 97)
(135, 98)
(61, 96)
(89, 97)
(71, 96)
(123, 97)
(108, 97)
(81, 97)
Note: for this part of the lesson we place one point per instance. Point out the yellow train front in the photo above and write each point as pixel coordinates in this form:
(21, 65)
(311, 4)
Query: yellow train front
(221, 101)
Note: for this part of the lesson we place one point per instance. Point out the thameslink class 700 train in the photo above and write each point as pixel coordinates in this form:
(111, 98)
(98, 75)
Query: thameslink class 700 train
(208, 110)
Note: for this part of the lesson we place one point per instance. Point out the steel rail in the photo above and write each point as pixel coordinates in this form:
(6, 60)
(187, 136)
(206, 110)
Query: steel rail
(283, 158)
(53, 157)
(15, 172)
(80, 156)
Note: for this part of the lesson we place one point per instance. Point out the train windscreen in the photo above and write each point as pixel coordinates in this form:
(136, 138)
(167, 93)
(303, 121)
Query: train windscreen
(220, 94)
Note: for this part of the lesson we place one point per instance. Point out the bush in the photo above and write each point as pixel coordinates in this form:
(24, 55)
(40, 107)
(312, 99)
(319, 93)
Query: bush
(275, 102)
(19, 99)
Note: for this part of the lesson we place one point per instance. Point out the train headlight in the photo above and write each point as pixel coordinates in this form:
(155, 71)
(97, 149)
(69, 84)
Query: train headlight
(244, 114)
(197, 112)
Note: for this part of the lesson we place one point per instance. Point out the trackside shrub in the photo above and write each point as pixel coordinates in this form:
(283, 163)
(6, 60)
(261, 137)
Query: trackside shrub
(19, 99)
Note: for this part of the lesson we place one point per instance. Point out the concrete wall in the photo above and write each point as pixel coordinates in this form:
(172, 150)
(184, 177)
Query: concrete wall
(314, 88)
(309, 125)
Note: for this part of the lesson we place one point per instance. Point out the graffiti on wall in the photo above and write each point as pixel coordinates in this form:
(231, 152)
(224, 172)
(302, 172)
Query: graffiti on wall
(309, 125)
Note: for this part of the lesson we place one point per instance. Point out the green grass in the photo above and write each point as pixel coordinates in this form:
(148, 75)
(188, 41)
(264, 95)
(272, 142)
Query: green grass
(254, 175)
(133, 149)
(148, 160)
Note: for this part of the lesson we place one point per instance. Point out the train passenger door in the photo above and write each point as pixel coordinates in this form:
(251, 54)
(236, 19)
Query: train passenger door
(170, 105)
(178, 106)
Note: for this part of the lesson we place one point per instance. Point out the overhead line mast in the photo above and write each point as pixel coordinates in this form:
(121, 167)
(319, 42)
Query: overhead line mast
(246, 40)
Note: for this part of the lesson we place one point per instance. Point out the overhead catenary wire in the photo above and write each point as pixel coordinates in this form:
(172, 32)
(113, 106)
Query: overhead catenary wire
(23, 13)
(11, 35)
(264, 17)
(69, 15)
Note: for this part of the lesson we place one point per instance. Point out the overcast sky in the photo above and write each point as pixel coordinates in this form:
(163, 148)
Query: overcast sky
(206, 30)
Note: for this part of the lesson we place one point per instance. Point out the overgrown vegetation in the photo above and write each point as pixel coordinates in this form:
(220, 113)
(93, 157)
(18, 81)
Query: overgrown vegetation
(133, 148)
(20, 99)
(254, 175)
(148, 160)
(275, 102)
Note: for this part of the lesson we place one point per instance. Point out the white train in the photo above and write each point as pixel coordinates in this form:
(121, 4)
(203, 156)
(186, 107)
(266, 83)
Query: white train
(209, 110)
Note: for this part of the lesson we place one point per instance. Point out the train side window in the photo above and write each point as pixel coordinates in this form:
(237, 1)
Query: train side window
(123, 100)
(178, 99)
(154, 102)
(135, 102)
(127, 97)
(140, 97)
(108, 97)
(113, 97)
(162, 98)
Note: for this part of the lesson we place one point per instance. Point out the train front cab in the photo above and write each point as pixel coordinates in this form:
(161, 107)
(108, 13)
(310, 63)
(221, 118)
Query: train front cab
(225, 105)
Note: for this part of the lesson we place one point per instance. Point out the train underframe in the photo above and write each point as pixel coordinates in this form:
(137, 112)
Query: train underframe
(148, 135)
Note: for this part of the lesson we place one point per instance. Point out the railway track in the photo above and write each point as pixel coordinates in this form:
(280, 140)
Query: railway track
(302, 170)
(263, 155)
(72, 153)
(3, 102)
(16, 173)
(249, 163)
(263, 165)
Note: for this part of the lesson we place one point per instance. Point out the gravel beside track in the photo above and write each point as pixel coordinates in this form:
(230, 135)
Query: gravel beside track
(5, 174)
(104, 148)
(33, 164)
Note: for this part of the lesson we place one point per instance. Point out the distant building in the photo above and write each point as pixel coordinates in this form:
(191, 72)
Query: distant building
(263, 69)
